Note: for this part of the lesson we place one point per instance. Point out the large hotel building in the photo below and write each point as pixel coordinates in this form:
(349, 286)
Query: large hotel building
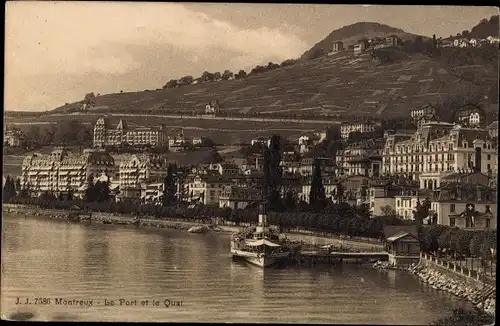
(437, 149)
(62, 171)
(105, 135)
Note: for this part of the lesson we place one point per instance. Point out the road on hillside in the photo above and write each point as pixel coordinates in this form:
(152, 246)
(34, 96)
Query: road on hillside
(198, 117)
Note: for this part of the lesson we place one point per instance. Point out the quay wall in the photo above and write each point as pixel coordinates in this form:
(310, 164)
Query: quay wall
(440, 276)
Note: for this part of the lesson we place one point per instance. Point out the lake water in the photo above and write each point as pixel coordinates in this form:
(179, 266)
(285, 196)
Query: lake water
(44, 259)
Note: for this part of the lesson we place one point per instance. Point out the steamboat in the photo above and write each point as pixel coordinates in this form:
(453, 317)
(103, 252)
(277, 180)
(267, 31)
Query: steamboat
(260, 245)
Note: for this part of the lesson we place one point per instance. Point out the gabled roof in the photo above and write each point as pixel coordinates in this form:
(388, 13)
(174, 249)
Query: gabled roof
(399, 235)
(392, 230)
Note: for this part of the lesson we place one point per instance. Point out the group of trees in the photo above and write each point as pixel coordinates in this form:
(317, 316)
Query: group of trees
(65, 133)
(96, 192)
(445, 240)
(486, 27)
(208, 77)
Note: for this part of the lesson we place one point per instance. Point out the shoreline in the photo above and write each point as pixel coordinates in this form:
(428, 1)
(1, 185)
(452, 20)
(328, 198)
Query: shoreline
(482, 297)
(301, 236)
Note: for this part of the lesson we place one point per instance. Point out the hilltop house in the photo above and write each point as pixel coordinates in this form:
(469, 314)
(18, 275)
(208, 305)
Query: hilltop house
(359, 48)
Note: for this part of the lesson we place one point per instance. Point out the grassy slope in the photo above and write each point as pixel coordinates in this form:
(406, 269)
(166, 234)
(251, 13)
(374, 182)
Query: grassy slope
(341, 84)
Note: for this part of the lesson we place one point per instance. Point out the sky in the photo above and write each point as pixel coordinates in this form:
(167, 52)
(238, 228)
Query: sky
(56, 52)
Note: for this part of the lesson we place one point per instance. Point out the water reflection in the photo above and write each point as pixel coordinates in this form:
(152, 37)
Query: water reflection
(53, 259)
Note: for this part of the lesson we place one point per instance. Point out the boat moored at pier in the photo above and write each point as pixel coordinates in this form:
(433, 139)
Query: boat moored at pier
(260, 245)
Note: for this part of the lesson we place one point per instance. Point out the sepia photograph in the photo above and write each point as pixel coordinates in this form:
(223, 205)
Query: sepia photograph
(250, 163)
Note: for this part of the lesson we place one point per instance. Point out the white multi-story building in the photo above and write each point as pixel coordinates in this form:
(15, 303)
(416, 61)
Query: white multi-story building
(62, 171)
(406, 201)
(138, 169)
(206, 188)
(362, 127)
(12, 137)
(123, 134)
(359, 48)
(435, 150)
(361, 158)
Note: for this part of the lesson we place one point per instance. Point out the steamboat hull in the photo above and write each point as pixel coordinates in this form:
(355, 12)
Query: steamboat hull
(261, 260)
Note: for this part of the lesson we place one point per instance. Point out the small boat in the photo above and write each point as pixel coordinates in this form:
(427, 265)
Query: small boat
(198, 229)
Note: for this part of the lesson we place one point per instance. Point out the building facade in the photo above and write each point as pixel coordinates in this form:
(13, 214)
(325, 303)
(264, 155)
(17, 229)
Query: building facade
(236, 197)
(62, 171)
(360, 158)
(466, 205)
(123, 134)
(362, 127)
(435, 150)
(137, 170)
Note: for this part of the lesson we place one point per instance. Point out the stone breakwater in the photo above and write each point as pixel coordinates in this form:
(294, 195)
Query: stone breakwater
(386, 265)
(483, 297)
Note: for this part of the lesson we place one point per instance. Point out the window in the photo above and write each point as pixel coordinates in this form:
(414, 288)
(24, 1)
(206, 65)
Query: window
(487, 223)
(489, 157)
(452, 208)
(452, 221)
(397, 203)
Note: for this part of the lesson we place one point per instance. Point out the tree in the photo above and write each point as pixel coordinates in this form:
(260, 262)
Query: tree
(33, 137)
(339, 193)
(290, 201)
(89, 99)
(272, 66)
(207, 77)
(240, 75)
(217, 76)
(72, 132)
(288, 62)
(172, 83)
(317, 197)
(421, 211)
(169, 187)
(388, 211)
(273, 173)
(227, 75)
(8, 190)
(316, 53)
(476, 243)
(186, 80)
(18, 184)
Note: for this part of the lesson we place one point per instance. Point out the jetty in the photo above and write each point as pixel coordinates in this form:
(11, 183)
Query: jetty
(312, 257)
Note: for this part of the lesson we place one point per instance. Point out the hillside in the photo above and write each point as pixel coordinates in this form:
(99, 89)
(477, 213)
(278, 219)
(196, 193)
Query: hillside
(351, 34)
(340, 85)
(486, 27)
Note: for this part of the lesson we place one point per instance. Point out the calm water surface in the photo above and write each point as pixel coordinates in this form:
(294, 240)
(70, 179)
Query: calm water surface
(55, 259)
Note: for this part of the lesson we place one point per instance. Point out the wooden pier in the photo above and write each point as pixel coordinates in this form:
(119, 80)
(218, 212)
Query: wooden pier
(313, 257)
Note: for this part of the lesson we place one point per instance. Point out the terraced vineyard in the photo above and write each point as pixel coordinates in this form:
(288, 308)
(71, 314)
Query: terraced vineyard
(340, 84)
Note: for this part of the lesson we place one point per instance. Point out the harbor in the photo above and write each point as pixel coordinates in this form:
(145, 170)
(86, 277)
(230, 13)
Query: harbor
(106, 262)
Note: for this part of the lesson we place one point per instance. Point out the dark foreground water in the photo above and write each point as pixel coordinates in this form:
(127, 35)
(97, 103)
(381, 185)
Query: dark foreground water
(43, 259)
